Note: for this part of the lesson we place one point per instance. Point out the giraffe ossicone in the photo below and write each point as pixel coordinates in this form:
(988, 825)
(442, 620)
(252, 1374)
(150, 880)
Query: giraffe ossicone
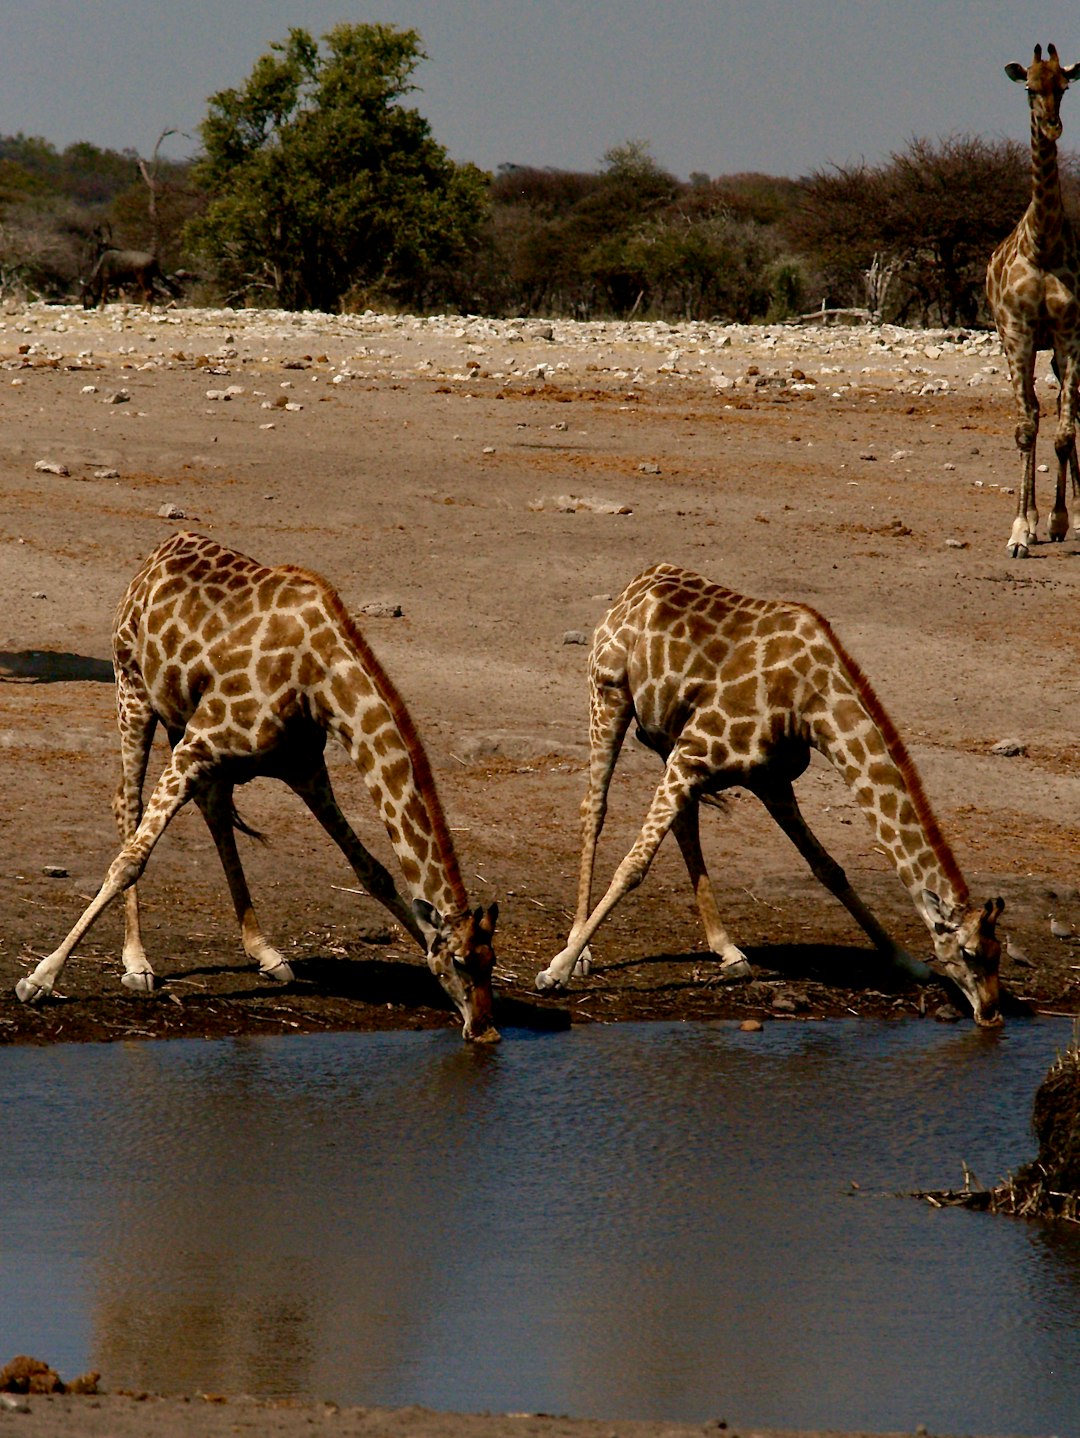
(249, 669)
(733, 691)
(1033, 289)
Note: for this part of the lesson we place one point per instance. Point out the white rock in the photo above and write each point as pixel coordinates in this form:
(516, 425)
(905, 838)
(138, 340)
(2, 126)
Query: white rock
(51, 466)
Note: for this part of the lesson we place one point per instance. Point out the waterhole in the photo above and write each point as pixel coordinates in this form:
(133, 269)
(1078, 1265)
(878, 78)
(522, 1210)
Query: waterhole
(648, 1220)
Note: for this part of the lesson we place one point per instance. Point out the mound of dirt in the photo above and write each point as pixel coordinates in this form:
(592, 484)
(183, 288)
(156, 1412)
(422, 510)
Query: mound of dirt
(1049, 1186)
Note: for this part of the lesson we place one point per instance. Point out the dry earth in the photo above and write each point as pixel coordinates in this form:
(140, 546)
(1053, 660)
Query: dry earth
(500, 482)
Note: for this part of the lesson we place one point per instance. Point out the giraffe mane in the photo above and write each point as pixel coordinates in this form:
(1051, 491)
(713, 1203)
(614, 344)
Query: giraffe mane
(421, 766)
(902, 759)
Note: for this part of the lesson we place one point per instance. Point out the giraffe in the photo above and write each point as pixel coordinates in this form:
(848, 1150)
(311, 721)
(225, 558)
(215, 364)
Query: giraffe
(729, 690)
(249, 669)
(1033, 285)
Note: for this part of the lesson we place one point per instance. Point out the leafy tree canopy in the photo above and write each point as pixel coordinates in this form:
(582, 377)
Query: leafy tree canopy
(323, 187)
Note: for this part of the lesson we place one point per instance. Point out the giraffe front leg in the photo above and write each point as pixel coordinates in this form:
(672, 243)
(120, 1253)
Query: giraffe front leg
(136, 722)
(779, 799)
(671, 795)
(1023, 536)
(317, 793)
(1021, 358)
(610, 712)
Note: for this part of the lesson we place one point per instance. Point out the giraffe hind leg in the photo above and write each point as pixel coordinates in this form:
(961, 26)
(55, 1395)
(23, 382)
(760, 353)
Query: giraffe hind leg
(216, 804)
(733, 962)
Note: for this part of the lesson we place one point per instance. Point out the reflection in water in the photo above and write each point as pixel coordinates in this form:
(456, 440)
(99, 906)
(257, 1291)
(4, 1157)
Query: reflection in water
(648, 1220)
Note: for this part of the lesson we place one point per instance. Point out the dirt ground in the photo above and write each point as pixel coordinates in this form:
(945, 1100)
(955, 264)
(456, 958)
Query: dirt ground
(498, 483)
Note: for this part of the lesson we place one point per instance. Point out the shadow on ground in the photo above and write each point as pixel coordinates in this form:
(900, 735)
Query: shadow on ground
(41, 666)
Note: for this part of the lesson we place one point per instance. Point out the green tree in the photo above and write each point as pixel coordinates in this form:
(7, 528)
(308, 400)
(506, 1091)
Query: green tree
(322, 185)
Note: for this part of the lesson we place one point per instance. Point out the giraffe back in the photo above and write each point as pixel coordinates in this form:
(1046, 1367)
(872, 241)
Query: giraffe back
(705, 664)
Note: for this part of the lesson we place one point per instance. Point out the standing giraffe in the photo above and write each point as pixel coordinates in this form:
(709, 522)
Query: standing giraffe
(249, 669)
(729, 690)
(1033, 287)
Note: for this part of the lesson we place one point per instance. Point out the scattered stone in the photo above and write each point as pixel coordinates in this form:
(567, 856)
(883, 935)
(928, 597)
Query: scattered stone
(1008, 748)
(790, 1001)
(378, 609)
(575, 504)
(649, 467)
(171, 511)
(106, 474)
(54, 871)
(575, 636)
(51, 466)
(120, 396)
(946, 1014)
(956, 544)
(751, 1026)
(543, 332)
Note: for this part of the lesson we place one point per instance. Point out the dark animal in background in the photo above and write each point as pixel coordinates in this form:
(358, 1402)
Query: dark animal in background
(124, 270)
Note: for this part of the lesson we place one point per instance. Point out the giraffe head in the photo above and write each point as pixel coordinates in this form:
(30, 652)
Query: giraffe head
(461, 957)
(967, 951)
(1046, 81)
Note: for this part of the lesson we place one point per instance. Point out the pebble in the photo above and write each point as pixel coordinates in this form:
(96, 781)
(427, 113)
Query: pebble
(54, 871)
(751, 1026)
(51, 466)
(378, 609)
(1008, 748)
(171, 511)
(575, 636)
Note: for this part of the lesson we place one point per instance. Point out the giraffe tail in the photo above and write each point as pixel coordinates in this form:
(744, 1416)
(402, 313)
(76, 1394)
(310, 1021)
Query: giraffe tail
(242, 828)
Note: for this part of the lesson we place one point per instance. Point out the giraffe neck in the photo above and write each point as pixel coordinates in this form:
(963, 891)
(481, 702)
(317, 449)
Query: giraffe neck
(851, 728)
(1046, 213)
(358, 702)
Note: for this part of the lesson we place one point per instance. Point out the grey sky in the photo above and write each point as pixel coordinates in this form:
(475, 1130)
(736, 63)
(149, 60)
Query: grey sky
(717, 86)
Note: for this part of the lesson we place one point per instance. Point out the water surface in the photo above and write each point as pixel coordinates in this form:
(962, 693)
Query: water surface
(654, 1220)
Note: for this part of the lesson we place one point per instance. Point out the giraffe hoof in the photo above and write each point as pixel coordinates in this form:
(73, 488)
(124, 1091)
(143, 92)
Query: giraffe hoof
(280, 972)
(30, 993)
(583, 967)
(731, 970)
(139, 983)
(1018, 551)
(546, 981)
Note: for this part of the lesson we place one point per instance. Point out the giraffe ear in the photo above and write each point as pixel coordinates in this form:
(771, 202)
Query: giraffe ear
(1070, 72)
(431, 922)
(485, 922)
(943, 916)
(1016, 72)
